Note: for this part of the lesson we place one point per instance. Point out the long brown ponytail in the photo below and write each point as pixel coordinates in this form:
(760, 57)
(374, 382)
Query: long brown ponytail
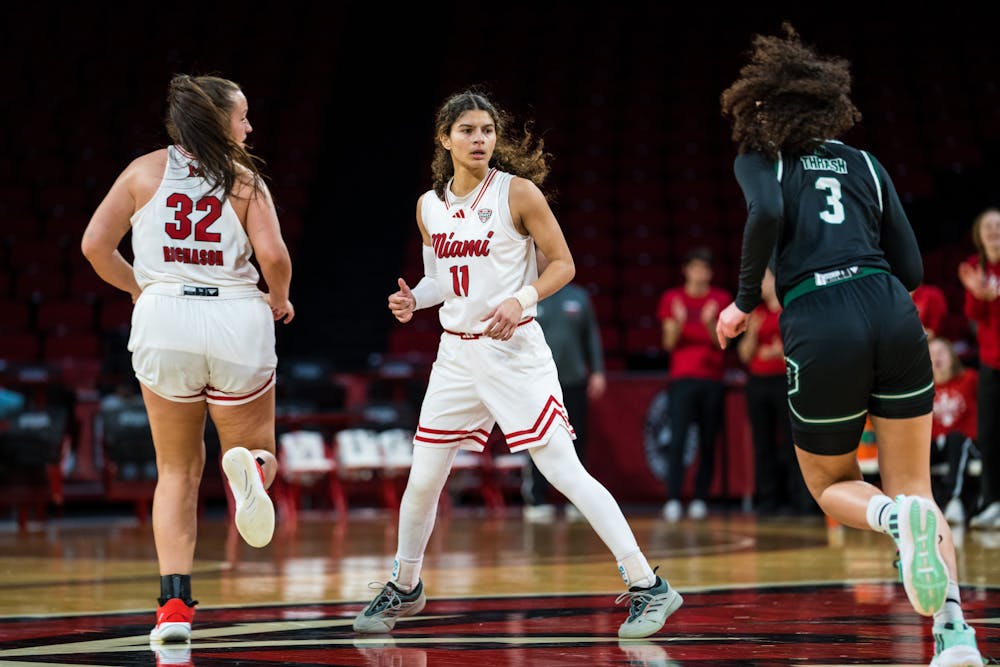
(198, 120)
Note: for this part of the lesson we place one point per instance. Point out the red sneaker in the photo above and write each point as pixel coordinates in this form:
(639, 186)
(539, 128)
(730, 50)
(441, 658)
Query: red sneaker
(173, 622)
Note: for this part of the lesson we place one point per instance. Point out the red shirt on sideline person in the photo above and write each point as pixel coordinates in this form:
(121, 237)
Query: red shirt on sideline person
(986, 314)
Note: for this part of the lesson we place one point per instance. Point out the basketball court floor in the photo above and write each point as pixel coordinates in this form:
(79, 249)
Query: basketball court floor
(501, 590)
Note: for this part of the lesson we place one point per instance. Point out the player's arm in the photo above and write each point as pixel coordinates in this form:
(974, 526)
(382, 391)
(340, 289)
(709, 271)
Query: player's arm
(532, 215)
(897, 240)
(425, 294)
(270, 250)
(107, 227)
(765, 213)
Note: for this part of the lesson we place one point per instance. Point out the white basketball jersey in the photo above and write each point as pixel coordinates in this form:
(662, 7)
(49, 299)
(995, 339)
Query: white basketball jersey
(190, 234)
(481, 258)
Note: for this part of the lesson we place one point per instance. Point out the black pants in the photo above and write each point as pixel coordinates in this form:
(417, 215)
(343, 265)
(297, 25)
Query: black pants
(988, 436)
(957, 451)
(777, 479)
(694, 401)
(537, 489)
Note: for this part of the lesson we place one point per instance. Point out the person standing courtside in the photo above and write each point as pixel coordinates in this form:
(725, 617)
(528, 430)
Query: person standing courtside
(845, 258)
(573, 334)
(980, 276)
(696, 391)
(480, 226)
(202, 334)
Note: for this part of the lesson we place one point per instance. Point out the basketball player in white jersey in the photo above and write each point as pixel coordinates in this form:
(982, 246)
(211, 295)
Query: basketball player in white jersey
(480, 224)
(202, 333)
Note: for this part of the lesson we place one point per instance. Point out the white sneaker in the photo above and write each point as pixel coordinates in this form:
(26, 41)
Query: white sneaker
(988, 518)
(648, 609)
(954, 513)
(913, 525)
(673, 511)
(538, 513)
(389, 605)
(697, 510)
(955, 646)
(254, 509)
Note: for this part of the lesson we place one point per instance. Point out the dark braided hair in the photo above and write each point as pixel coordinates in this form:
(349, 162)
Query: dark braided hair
(788, 98)
(198, 109)
(521, 155)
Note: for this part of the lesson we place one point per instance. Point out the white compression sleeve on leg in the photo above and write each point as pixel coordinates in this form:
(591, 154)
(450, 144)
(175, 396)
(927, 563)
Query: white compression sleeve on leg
(561, 466)
(426, 292)
(418, 509)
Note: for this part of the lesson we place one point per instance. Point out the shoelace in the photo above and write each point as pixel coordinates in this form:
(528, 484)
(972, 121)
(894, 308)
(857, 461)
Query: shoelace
(639, 601)
(388, 598)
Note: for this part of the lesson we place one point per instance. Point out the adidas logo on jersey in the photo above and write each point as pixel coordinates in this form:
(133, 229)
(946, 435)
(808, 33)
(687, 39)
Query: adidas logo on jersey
(460, 213)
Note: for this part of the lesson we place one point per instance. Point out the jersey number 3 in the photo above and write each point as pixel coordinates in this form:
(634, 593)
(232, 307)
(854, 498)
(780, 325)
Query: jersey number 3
(180, 228)
(835, 214)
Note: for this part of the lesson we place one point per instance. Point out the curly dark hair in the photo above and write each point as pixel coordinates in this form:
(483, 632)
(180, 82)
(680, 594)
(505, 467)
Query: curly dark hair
(788, 98)
(520, 154)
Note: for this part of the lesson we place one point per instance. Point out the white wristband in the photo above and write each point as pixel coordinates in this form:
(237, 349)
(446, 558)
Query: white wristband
(527, 296)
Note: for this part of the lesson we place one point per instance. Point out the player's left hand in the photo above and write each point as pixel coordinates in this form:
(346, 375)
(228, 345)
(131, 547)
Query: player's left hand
(503, 319)
(732, 322)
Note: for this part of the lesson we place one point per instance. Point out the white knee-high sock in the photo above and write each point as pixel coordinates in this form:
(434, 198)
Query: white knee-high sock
(558, 461)
(418, 510)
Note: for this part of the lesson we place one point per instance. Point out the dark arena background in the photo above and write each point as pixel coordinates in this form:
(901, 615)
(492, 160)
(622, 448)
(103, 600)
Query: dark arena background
(342, 99)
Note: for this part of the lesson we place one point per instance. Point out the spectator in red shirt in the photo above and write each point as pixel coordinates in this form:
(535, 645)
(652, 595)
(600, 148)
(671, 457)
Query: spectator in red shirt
(778, 483)
(932, 307)
(980, 275)
(696, 391)
(954, 426)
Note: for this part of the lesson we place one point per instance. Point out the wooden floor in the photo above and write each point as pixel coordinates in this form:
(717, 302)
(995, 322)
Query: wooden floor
(502, 591)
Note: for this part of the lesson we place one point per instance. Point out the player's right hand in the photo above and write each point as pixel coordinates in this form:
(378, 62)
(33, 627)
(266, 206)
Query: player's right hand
(402, 303)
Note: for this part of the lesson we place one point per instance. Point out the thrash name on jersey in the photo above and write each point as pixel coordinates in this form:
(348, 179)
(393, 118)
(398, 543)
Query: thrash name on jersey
(817, 163)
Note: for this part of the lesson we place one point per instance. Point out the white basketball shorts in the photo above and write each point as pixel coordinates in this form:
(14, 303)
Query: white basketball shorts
(189, 348)
(478, 382)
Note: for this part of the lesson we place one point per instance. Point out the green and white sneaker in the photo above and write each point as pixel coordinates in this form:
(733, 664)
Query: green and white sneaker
(648, 609)
(955, 646)
(389, 605)
(913, 525)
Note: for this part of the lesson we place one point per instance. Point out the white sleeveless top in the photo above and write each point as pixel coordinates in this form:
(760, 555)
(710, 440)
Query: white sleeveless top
(189, 234)
(481, 258)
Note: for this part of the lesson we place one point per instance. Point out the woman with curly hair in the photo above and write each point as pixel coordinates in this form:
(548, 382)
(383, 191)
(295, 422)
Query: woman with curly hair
(828, 218)
(481, 223)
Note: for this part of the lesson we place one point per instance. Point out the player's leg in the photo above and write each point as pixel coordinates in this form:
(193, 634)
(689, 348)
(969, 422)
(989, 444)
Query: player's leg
(451, 416)
(403, 594)
(247, 441)
(651, 598)
(242, 361)
(520, 387)
(177, 429)
(927, 556)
